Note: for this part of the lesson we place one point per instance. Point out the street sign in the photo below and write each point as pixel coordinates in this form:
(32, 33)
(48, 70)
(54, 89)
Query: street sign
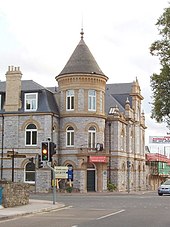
(61, 172)
(15, 154)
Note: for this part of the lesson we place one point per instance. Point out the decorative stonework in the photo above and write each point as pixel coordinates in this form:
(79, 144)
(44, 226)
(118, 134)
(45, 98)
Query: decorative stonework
(14, 194)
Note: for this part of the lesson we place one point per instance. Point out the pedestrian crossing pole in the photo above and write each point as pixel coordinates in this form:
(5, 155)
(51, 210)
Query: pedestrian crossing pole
(54, 184)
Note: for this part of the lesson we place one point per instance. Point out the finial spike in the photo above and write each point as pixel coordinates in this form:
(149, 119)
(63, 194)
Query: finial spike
(82, 33)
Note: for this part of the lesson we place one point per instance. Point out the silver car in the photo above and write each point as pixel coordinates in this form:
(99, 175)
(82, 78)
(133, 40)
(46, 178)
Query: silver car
(164, 188)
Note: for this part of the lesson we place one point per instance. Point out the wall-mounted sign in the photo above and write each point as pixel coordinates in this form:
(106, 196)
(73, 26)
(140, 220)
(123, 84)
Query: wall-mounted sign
(98, 159)
(159, 139)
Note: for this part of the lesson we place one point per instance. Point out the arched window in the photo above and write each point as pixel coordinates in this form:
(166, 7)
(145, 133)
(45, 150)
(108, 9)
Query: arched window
(70, 137)
(122, 137)
(31, 135)
(30, 172)
(92, 137)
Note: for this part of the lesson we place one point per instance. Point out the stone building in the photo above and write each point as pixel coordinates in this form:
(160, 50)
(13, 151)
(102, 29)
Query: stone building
(98, 128)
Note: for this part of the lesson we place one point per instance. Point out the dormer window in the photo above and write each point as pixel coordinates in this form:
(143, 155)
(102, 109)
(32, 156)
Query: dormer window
(92, 100)
(70, 100)
(31, 101)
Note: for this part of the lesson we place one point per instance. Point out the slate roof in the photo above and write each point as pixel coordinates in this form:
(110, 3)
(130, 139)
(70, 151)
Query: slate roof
(46, 99)
(116, 95)
(81, 61)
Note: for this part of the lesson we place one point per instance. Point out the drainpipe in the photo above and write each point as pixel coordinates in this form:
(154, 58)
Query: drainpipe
(109, 152)
(2, 148)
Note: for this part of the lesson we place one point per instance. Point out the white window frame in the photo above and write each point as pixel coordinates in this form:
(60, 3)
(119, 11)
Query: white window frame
(26, 171)
(92, 100)
(70, 100)
(32, 101)
(92, 137)
(70, 136)
(31, 131)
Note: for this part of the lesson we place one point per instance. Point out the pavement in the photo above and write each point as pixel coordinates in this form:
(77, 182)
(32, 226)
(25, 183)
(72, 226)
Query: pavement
(38, 206)
(34, 206)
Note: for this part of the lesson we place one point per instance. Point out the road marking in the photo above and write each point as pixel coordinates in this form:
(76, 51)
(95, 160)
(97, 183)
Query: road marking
(108, 215)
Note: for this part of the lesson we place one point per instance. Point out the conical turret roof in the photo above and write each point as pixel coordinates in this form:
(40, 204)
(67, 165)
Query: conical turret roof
(81, 61)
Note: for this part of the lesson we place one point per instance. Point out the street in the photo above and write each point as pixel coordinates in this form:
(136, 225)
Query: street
(98, 210)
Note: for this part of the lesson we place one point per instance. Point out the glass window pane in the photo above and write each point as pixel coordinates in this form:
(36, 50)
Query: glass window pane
(30, 167)
(72, 102)
(68, 103)
(30, 176)
(93, 140)
(72, 138)
(68, 138)
(89, 139)
(28, 138)
(31, 126)
(34, 137)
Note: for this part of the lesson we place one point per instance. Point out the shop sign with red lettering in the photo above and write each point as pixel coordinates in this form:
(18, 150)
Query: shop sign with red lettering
(97, 159)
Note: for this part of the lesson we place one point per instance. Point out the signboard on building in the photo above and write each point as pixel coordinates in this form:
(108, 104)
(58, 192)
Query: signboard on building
(61, 172)
(98, 159)
(159, 139)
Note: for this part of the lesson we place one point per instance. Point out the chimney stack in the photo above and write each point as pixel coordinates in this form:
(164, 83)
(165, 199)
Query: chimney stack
(13, 89)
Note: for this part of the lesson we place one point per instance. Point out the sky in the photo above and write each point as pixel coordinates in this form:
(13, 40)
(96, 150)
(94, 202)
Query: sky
(40, 36)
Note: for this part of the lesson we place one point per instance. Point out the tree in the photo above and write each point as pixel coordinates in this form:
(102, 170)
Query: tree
(160, 83)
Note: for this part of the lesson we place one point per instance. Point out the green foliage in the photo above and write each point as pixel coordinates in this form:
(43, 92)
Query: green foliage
(160, 83)
(111, 187)
(69, 189)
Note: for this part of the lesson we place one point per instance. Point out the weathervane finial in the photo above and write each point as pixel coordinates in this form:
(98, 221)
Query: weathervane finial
(82, 33)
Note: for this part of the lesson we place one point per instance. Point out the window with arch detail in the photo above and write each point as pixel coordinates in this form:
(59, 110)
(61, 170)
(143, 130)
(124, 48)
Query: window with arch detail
(31, 135)
(92, 100)
(122, 139)
(92, 137)
(70, 136)
(70, 100)
(29, 170)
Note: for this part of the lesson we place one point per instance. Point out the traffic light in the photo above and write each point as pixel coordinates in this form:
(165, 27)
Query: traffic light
(128, 164)
(52, 150)
(45, 153)
(40, 163)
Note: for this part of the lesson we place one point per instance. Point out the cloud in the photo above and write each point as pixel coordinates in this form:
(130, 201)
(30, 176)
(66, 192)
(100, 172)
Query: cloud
(40, 36)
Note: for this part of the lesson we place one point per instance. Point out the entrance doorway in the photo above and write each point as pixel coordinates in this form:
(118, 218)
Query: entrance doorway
(91, 178)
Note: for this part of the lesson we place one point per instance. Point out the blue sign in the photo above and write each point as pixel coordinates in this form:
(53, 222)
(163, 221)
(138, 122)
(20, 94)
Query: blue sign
(70, 174)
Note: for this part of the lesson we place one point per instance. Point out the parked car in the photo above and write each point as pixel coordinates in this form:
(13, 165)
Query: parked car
(164, 188)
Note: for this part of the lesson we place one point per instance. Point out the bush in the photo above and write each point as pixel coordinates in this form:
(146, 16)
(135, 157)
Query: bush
(111, 187)
(69, 189)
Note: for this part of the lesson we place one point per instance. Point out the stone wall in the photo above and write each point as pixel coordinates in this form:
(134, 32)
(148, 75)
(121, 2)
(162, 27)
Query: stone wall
(14, 194)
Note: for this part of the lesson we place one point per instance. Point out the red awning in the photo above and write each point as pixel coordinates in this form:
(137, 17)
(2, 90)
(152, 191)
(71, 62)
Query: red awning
(157, 157)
